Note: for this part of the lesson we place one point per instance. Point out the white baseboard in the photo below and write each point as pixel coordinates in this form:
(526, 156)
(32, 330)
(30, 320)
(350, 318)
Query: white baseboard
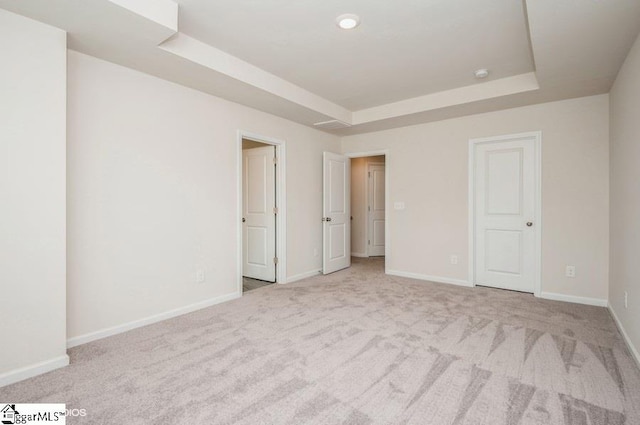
(359, 254)
(114, 330)
(437, 279)
(305, 275)
(625, 335)
(574, 299)
(33, 370)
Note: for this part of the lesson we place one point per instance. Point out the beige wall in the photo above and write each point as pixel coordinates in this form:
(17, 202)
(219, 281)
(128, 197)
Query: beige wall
(625, 196)
(153, 195)
(428, 171)
(359, 223)
(32, 197)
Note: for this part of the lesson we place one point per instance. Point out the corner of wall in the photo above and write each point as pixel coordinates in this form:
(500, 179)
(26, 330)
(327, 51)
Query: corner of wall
(627, 339)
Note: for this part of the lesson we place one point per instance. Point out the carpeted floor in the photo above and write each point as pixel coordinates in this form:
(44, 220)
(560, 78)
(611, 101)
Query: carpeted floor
(357, 347)
(249, 284)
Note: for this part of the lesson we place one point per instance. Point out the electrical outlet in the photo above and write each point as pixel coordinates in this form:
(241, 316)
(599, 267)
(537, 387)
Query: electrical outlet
(454, 259)
(200, 277)
(626, 299)
(570, 271)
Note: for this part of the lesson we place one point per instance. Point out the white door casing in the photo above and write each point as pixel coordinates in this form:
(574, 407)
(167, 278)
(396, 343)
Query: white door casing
(336, 217)
(505, 200)
(375, 209)
(258, 214)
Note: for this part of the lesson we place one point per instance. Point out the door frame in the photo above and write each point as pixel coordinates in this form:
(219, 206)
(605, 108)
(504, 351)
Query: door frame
(281, 203)
(368, 200)
(387, 197)
(536, 136)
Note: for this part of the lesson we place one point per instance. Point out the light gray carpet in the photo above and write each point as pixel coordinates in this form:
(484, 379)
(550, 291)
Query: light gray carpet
(249, 284)
(357, 347)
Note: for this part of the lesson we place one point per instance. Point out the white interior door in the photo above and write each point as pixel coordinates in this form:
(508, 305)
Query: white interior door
(505, 214)
(375, 210)
(336, 213)
(258, 214)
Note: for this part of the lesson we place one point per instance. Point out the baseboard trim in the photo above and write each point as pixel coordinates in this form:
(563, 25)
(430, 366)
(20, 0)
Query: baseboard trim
(573, 299)
(437, 279)
(304, 275)
(360, 254)
(30, 371)
(634, 351)
(114, 330)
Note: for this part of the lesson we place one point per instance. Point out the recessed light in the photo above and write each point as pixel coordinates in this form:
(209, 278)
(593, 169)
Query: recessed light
(481, 73)
(348, 21)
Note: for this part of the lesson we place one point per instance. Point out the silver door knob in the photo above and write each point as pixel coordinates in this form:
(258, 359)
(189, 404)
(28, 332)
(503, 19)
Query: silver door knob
(529, 223)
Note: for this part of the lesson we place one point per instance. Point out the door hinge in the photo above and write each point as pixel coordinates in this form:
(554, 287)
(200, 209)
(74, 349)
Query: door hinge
(275, 260)
(275, 210)
(369, 242)
(275, 159)
(369, 174)
(368, 207)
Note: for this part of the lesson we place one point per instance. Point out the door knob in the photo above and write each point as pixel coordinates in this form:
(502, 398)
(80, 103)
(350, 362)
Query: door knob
(244, 219)
(529, 223)
(328, 218)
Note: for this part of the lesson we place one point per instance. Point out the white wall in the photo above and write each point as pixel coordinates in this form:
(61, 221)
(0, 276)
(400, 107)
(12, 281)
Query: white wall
(428, 171)
(153, 195)
(625, 196)
(359, 169)
(32, 194)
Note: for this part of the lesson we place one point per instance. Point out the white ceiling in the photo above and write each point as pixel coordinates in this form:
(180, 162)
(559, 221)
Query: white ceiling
(409, 62)
(402, 49)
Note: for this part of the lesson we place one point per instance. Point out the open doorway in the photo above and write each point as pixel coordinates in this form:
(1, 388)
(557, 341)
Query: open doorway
(368, 209)
(261, 197)
(355, 192)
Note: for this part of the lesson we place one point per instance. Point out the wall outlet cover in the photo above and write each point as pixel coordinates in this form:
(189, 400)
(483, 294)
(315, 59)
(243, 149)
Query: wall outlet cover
(570, 271)
(200, 276)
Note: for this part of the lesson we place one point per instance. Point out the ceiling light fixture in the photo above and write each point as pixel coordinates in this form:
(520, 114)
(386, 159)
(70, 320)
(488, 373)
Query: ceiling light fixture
(348, 21)
(481, 73)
